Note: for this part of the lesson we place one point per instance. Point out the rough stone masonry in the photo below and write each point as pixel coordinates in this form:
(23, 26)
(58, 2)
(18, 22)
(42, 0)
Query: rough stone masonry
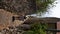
(6, 19)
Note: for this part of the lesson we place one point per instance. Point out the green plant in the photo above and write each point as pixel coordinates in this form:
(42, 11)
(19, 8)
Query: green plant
(43, 5)
(37, 28)
(26, 6)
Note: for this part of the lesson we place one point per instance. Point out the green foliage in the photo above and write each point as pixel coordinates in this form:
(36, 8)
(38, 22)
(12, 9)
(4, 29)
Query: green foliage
(37, 28)
(26, 6)
(43, 5)
(28, 32)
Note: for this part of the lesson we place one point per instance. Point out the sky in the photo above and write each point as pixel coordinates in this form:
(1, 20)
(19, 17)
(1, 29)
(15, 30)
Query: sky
(55, 11)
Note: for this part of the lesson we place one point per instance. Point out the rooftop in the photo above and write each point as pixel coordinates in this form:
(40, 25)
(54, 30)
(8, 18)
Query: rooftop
(43, 20)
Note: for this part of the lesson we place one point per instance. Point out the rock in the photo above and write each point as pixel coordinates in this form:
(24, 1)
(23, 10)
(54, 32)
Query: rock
(25, 27)
(1, 33)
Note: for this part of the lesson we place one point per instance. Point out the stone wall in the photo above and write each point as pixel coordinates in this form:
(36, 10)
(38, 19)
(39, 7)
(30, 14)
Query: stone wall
(19, 6)
(6, 19)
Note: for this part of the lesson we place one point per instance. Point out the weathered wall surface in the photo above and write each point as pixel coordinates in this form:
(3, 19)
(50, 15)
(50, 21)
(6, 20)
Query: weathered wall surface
(58, 27)
(19, 6)
(6, 19)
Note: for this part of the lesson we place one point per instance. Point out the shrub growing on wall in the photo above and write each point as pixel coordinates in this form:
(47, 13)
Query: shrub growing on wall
(37, 28)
